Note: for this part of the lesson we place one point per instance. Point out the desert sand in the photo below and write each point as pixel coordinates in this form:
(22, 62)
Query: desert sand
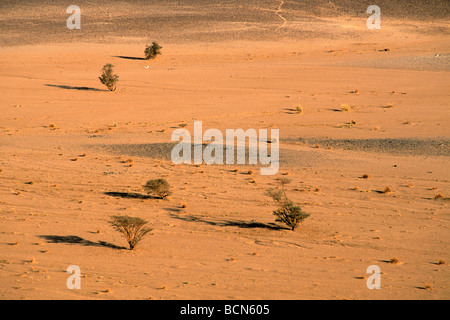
(65, 141)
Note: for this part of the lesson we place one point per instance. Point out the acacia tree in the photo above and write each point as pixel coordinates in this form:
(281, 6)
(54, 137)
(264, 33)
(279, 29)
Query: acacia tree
(108, 78)
(152, 51)
(131, 227)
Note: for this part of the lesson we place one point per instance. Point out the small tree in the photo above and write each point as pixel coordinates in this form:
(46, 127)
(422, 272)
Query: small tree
(131, 227)
(159, 187)
(108, 78)
(287, 212)
(152, 51)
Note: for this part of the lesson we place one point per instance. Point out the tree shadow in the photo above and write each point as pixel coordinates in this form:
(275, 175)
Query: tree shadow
(130, 195)
(425, 287)
(382, 191)
(129, 58)
(73, 88)
(392, 261)
(442, 198)
(78, 240)
(290, 111)
(174, 210)
(230, 223)
(334, 109)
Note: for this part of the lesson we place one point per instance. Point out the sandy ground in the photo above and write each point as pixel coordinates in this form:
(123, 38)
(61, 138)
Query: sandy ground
(65, 141)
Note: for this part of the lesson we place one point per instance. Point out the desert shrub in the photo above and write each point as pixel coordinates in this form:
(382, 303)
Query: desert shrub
(287, 212)
(387, 190)
(152, 51)
(158, 187)
(108, 78)
(132, 228)
(345, 108)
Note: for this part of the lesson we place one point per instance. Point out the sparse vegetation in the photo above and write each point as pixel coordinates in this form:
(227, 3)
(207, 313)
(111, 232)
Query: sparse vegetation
(440, 196)
(394, 261)
(108, 78)
(132, 228)
(387, 190)
(151, 52)
(130, 162)
(299, 109)
(347, 124)
(427, 286)
(287, 212)
(158, 187)
(345, 108)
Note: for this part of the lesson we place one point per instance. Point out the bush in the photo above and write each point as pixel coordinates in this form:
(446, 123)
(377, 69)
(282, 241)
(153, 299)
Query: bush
(158, 187)
(108, 78)
(152, 51)
(287, 212)
(131, 227)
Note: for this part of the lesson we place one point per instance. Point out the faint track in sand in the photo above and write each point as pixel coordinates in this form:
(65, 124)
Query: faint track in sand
(278, 13)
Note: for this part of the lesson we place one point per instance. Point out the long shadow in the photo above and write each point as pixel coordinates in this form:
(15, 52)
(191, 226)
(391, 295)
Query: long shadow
(335, 110)
(290, 111)
(129, 58)
(73, 88)
(130, 195)
(78, 240)
(230, 223)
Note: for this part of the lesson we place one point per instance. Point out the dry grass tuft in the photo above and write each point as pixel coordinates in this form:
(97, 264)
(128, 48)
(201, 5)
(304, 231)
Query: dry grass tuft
(394, 261)
(440, 196)
(427, 286)
(345, 108)
(387, 190)
(299, 109)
